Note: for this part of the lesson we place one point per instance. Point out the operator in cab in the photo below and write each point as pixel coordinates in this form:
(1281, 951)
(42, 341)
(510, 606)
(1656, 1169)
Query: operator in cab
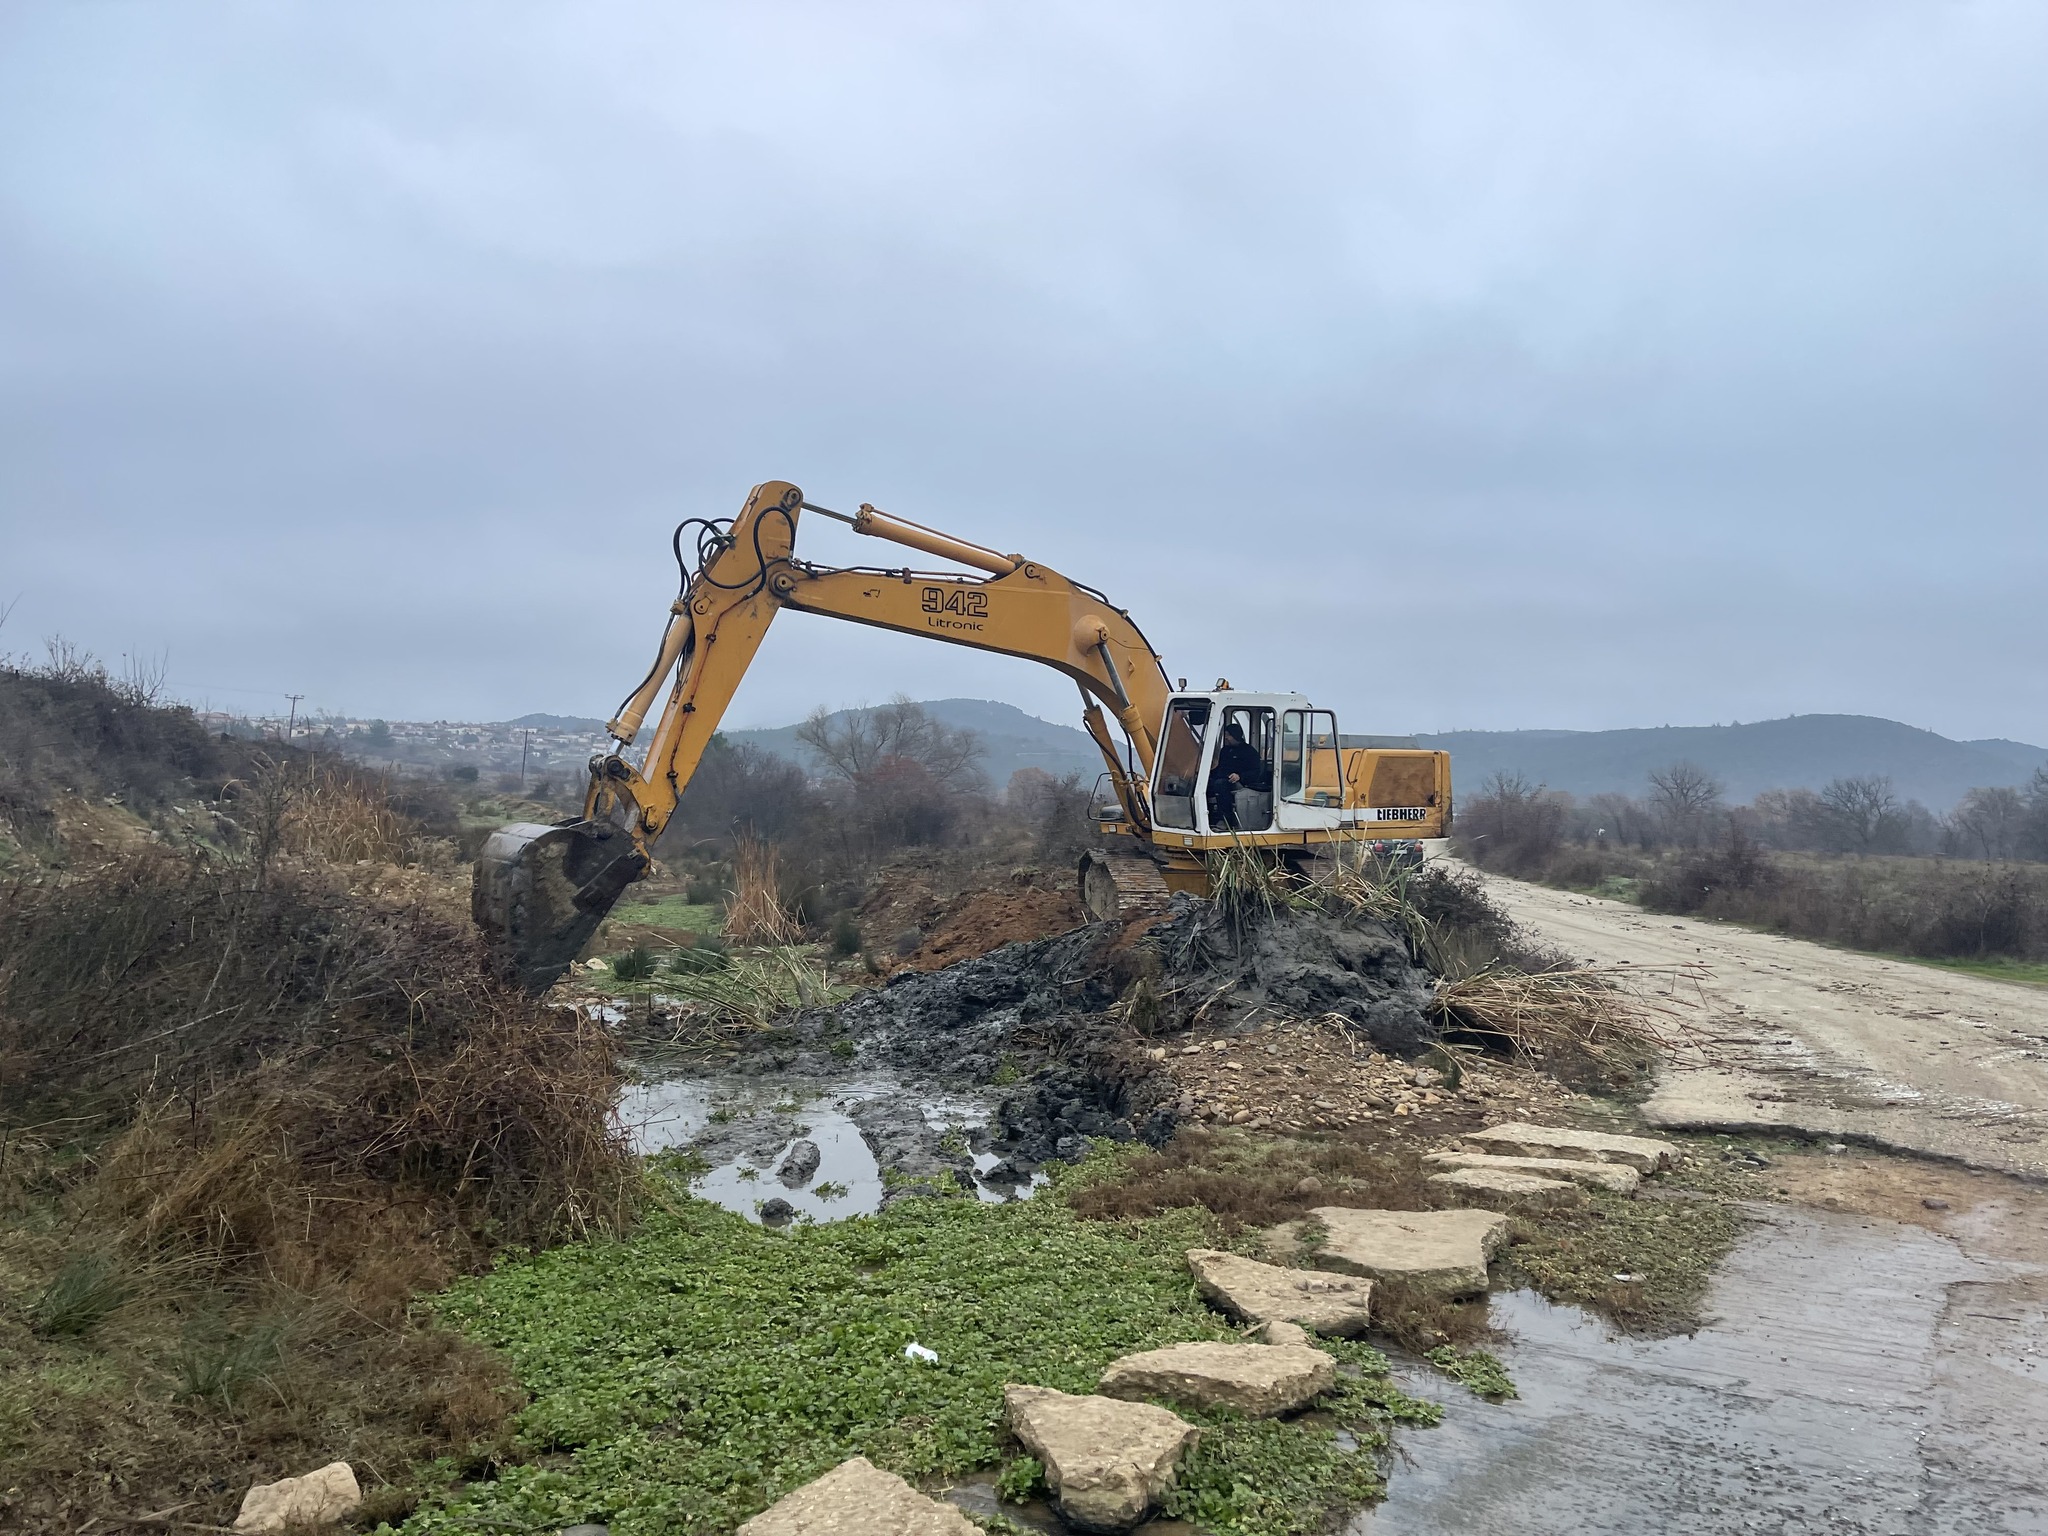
(1237, 766)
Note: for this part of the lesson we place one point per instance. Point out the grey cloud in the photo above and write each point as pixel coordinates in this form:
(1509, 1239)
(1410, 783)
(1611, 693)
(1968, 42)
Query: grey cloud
(1472, 365)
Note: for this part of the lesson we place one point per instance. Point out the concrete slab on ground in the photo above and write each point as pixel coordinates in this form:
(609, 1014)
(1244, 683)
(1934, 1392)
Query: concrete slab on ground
(857, 1498)
(1106, 1461)
(1444, 1252)
(1616, 1178)
(1337, 1305)
(1521, 1139)
(1504, 1189)
(1261, 1380)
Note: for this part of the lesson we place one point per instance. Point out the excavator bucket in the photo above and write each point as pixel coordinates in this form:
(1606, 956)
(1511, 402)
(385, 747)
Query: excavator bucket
(540, 893)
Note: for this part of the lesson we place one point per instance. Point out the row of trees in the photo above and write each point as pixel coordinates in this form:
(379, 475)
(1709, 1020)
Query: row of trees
(888, 778)
(1513, 821)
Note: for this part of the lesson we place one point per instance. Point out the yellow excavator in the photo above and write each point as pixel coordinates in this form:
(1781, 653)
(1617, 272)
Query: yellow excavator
(1188, 772)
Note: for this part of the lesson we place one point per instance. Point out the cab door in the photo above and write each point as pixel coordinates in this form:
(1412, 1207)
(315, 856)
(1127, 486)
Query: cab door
(1309, 781)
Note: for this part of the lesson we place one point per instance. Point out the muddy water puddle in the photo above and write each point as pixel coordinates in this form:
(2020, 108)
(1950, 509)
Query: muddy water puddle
(749, 1130)
(1857, 1376)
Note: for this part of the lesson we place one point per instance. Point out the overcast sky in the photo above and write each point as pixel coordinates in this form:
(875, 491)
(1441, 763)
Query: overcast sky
(1460, 365)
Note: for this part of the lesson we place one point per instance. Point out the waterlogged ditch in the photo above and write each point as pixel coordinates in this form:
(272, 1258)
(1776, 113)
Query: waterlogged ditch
(824, 1151)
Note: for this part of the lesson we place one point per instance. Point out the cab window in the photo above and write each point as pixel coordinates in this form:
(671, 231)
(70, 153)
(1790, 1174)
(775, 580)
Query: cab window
(1311, 766)
(1180, 765)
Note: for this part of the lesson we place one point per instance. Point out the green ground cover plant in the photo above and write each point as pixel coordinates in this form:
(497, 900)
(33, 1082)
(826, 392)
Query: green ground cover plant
(673, 912)
(2030, 974)
(689, 1375)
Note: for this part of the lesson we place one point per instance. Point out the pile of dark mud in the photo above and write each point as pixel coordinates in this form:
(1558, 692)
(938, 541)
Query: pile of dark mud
(1059, 1029)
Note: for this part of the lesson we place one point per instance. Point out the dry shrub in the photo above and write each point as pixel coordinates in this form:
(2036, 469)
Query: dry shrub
(285, 1061)
(1421, 1320)
(754, 912)
(1591, 1013)
(1248, 1183)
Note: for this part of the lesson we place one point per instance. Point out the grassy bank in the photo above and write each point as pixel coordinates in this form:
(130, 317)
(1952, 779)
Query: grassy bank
(2033, 974)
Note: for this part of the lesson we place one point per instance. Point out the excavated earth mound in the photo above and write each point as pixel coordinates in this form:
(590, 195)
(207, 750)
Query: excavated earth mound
(1064, 1021)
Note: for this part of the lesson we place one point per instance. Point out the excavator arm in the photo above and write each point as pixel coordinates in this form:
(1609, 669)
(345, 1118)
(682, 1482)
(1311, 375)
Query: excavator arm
(541, 892)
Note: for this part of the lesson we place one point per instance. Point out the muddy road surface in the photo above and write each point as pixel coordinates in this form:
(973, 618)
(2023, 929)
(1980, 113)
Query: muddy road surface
(1792, 1036)
(1868, 1368)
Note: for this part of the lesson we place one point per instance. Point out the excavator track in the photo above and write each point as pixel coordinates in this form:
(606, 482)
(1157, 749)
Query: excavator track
(1121, 885)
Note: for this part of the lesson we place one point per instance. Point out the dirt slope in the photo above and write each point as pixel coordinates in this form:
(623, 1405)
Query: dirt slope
(1793, 1035)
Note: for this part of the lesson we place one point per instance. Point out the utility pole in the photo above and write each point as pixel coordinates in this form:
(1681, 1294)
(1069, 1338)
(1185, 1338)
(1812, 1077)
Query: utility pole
(292, 723)
(525, 746)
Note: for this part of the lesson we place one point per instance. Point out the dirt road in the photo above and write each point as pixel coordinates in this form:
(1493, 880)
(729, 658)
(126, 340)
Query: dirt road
(1794, 1036)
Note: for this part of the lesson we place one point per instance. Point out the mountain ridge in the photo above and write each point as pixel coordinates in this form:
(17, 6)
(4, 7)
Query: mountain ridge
(1797, 751)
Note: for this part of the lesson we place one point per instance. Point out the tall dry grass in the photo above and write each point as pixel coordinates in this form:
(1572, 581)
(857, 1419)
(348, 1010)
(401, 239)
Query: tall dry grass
(754, 911)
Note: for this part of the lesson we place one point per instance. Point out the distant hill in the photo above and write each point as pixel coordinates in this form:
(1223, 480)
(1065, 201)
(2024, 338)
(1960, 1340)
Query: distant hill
(1014, 740)
(1803, 751)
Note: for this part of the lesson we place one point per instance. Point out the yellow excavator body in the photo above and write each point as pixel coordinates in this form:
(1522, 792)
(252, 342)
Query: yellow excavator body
(1185, 773)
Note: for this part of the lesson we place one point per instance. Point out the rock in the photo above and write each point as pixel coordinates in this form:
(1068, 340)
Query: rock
(1929, 1202)
(1618, 1177)
(1106, 1462)
(915, 1158)
(775, 1211)
(1310, 1185)
(317, 1498)
(1278, 1332)
(1070, 1149)
(1261, 1380)
(1641, 1153)
(1332, 1304)
(1444, 1252)
(800, 1165)
(857, 1498)
(1503, 1189)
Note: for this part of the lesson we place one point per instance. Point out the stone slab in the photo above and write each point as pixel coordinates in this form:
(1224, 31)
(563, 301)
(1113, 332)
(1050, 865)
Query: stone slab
(1259, 1380)
(1337, 1305)
(1642, 1153)
(318, 1498)
(1445, 1252)
(1106, 1461)
(857, 1498)
(1503, 1189)
(1618, 1178)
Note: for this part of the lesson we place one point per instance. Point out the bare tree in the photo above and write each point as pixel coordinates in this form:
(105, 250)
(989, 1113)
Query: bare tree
(1686, 798)
(1989, 823)
(1513, 824)
(2033, 840)
(857, 744)
(143, 676)
(1862, 814)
